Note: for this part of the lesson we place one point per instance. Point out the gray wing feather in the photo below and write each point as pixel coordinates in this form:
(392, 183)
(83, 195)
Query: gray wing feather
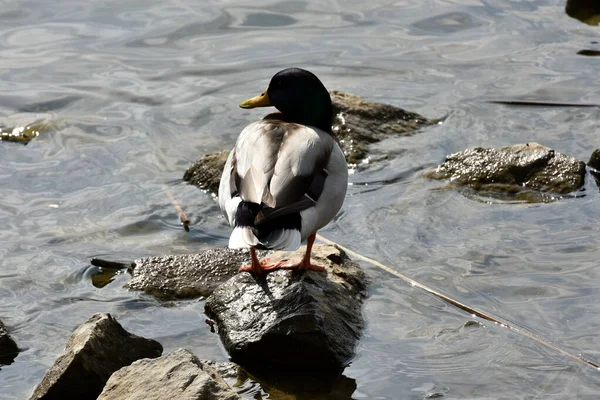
(281, 165)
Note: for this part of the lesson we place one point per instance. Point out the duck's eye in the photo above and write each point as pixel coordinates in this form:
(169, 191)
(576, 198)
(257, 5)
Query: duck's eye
(262, 94)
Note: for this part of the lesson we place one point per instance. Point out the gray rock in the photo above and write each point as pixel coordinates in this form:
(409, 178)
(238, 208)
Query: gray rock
(358, 123)
(99, 347)
(177, 376)
(206, 172)
(8, 347)
(299, 320)
(513, 169)
(187, 275)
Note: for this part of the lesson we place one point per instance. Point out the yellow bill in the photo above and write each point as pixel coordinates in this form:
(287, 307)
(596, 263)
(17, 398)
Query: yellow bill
(262, 100)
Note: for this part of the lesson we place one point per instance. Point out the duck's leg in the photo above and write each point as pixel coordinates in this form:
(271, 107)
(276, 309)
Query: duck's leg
(305, 262)
(260, 266)
(266, 265)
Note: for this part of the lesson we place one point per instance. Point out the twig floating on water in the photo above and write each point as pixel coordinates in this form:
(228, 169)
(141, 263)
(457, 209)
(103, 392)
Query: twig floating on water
(182, 217)
(98, 262)
(540, 103)
(465, 307)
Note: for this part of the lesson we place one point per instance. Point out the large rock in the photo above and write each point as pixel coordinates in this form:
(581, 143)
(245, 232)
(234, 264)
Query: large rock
(187, 275)
(513, 169)
(356, 123)
(179, 375)
(8, 347)
(99, 347)
(298, 320)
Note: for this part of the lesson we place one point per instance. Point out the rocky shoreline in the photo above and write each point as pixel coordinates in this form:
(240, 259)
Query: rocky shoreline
(307, 322)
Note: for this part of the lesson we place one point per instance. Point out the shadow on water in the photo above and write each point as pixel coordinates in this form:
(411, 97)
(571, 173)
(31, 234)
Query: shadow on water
(587, 11)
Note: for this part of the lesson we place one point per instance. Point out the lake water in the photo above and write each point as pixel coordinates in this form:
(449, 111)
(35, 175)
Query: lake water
(138, 90)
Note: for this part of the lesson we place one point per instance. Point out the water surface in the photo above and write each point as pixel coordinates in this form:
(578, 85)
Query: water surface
(140, 89)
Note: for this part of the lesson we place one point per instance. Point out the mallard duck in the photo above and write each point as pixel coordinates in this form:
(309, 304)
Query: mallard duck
(286, 177)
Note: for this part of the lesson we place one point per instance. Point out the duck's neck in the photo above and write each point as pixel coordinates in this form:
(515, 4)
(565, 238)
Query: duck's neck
(316, 113)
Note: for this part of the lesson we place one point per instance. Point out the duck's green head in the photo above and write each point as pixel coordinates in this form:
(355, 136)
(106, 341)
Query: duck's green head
(299, 95)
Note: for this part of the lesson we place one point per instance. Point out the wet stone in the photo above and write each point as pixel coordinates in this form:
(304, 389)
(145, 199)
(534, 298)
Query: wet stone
(179, 375)
(99, 347)
(513, 169)
(358, 123)
(23, 134)
(297, 320)
(8, 347)
(187, 275)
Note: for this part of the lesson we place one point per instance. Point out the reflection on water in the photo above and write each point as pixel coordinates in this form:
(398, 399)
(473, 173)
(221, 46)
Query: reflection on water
(280, 385)
(144, 88)
(446, 24)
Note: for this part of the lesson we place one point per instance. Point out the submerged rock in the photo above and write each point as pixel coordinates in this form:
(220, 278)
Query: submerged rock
(187, 275)
(298, 320)
(99, 347)
(8, 347)
(179, 375)
(23, 134)
(513, 169)
(356, 123)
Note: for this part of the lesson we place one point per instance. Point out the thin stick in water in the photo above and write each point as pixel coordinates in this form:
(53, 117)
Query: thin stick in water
(465, 307)
(182, 217)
